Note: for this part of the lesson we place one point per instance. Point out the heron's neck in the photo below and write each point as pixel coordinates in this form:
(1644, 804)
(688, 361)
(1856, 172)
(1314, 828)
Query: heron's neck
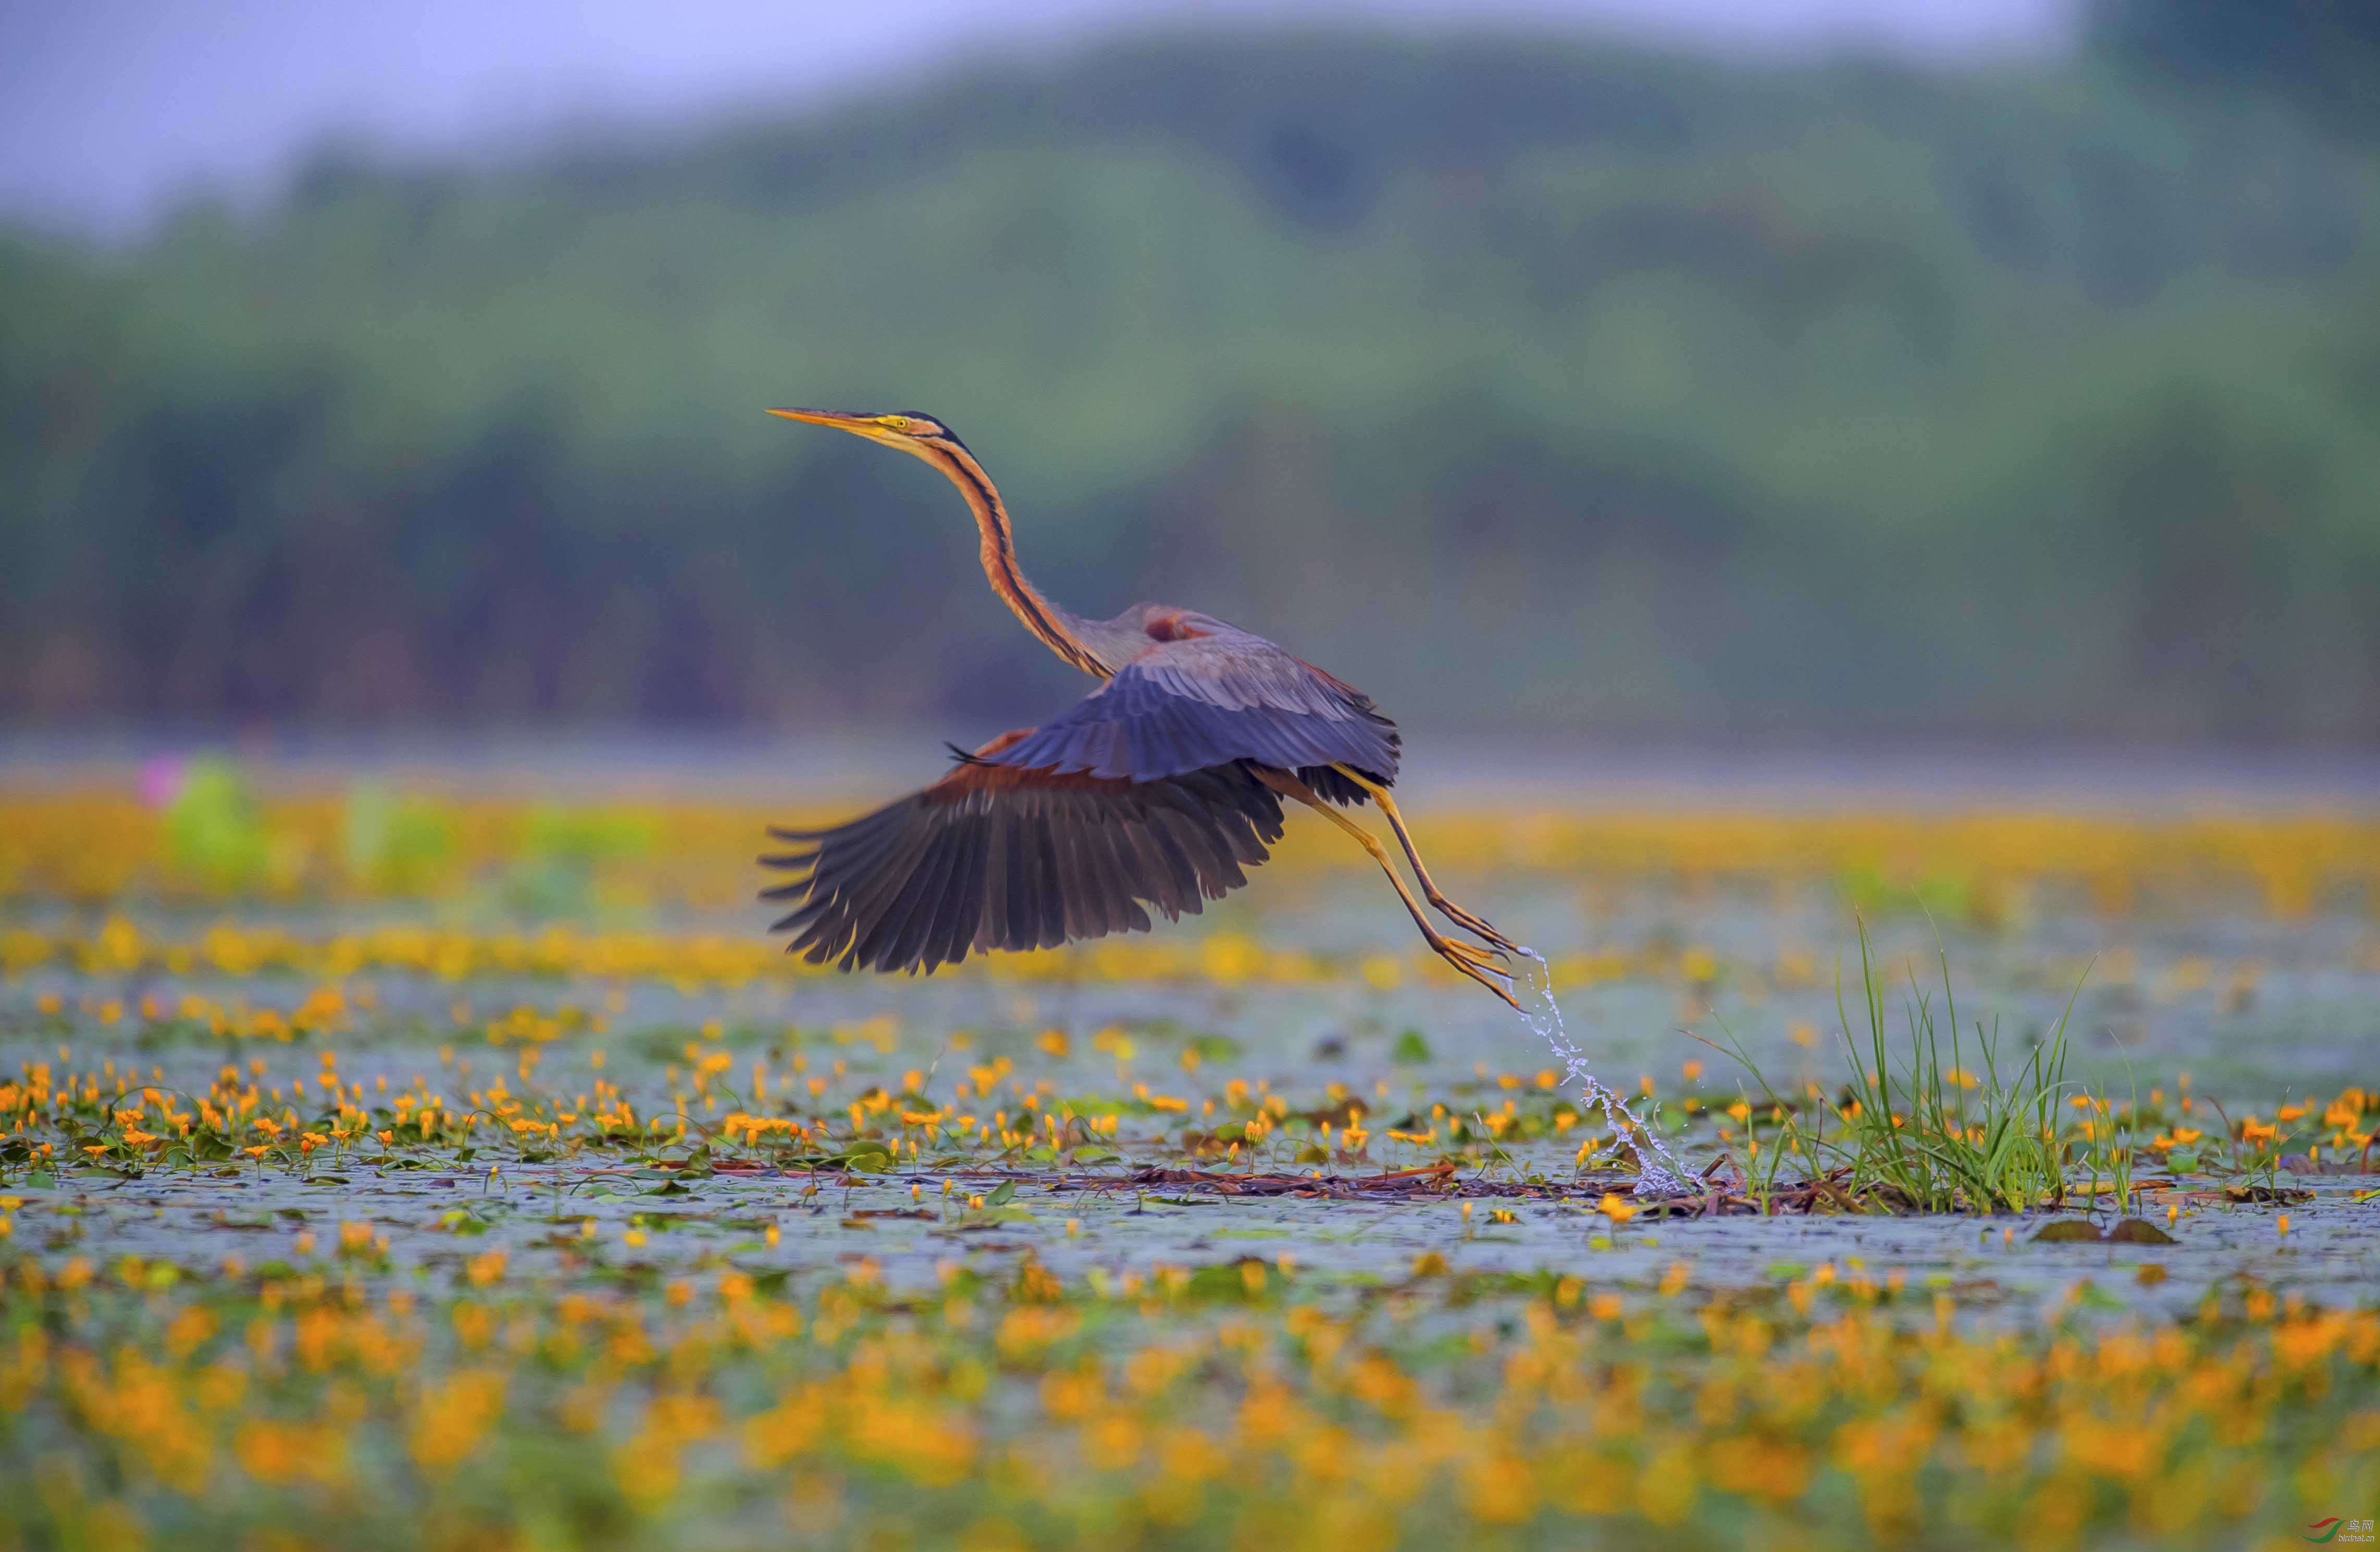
(1058, 629)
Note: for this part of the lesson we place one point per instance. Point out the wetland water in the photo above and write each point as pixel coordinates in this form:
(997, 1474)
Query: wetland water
(520, 1181)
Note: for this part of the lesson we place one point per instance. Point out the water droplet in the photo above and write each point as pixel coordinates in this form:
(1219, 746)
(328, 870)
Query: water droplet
(1658, 1173)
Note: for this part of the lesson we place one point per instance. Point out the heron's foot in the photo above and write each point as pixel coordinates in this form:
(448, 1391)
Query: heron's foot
(1477, 926)
(1478, 965)
(1488, 959)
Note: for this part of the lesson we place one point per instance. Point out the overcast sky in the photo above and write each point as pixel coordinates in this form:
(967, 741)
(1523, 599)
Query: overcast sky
(109, 108)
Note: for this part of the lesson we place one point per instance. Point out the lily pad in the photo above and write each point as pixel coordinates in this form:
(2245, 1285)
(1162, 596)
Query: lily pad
(2067, 1231)
(2139, 1231)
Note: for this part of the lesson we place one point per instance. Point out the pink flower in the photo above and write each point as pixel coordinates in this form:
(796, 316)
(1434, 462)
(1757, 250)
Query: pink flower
(161, 780)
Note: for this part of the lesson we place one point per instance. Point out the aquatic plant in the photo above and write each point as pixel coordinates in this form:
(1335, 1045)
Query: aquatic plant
(187, 1403)
(1915, 1131)
(333, 1213)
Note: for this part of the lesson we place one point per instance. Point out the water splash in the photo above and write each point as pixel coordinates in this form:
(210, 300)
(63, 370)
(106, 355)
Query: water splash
(1658, 1173)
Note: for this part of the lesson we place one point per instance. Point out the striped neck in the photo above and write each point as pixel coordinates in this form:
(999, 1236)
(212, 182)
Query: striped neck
(1052, 626)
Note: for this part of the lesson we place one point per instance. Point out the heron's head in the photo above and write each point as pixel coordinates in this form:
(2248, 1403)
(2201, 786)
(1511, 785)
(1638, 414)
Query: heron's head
(911, 430)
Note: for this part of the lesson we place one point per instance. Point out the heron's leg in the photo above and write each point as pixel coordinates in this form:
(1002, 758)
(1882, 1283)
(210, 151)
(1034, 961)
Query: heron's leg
(1380, 854)
(1429, 891)
(1476, 963)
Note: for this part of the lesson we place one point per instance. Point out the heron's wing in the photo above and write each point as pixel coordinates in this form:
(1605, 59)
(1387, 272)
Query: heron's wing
(1188, 704)
(992, 856)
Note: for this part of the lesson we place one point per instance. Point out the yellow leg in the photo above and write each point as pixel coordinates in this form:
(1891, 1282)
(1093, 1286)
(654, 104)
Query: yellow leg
(1473, 962)
(1429, 891)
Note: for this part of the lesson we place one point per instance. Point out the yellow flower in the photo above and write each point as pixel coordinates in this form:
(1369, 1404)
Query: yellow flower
(453, 1417)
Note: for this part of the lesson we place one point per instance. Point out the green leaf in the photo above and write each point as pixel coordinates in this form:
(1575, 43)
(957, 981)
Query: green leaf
(1005, 1214)
(1005, 1193)
(1411, 1050)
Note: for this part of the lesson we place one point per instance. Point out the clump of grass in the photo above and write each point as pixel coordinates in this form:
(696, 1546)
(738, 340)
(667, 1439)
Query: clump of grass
(1915, 1132)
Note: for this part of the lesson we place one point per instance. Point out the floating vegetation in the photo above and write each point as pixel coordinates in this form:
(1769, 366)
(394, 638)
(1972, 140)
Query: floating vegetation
(155, 1402)
(209, 833)
(407, 1171)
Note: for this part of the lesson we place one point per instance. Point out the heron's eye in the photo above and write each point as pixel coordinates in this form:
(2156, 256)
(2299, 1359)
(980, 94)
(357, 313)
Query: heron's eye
(894, 423)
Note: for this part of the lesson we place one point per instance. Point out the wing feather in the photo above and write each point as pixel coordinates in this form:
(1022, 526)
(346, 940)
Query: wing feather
(1112, 875)
(1053, 900)
(923, 894)
(1208, 699)
(1078, 884)
(997, 857)
(875, 891)
(965, 911)
(1141, 797)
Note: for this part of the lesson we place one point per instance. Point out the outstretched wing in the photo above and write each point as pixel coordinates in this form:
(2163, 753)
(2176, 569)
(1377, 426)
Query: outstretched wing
(1207, 700)
(994, 856)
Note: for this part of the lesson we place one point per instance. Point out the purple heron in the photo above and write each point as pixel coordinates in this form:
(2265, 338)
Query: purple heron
(1157, 788)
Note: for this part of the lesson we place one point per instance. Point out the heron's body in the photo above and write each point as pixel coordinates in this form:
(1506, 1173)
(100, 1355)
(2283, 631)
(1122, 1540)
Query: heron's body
(1157, 789)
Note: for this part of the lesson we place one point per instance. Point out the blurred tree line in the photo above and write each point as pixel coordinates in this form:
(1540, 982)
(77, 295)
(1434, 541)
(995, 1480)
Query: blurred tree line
(1532, 383)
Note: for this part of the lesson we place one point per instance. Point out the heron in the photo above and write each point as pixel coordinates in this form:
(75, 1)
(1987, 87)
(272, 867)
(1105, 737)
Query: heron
(1158, 789)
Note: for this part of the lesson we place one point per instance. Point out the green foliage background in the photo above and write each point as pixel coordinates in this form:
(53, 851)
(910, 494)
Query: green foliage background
(1528, 383)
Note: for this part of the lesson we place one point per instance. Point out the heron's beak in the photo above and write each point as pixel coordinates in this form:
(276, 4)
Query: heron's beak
(862, 424)
(869, 426)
